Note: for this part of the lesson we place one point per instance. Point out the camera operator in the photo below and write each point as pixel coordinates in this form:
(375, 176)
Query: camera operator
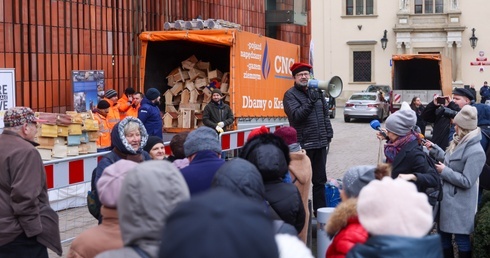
(442, 110)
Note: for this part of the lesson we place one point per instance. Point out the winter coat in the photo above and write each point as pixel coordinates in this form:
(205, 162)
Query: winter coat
(113, 116)
(24, 201)
(149, 114)
(271, 157)
(101, 238)
(104, 139)
(344, 225)
(216, 112)
(460, 190)
(441, 127)
(300, 169)
(412, 160)
(310, 120)
(200, 172)
(398, 247)
(122, 149)
(126, 108)
(150, 192)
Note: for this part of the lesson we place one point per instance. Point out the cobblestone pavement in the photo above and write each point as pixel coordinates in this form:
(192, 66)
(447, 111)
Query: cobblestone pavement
(353, 144)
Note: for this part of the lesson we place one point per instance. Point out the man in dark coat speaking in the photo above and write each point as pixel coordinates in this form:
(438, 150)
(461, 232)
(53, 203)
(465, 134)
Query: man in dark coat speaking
(307, 113)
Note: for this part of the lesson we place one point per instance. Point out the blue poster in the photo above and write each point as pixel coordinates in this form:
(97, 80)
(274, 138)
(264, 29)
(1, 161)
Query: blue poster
(88, 89)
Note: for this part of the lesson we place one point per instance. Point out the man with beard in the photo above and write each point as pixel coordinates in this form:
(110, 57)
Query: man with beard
(307, 113)
(217, 114)
(149, 113)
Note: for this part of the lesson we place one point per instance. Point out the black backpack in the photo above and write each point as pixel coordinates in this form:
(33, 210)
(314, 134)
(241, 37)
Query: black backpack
(93, 202)
(434, 193)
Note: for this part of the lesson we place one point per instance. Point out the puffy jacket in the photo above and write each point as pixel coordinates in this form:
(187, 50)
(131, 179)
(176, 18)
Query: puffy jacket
(149, 114)
(310, 119)
(345, 227)
(270, 155)
(216, 112)
(398, 247)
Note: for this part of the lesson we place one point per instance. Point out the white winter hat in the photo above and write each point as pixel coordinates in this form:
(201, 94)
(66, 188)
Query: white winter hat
(402, 121)
(467, 118)
(394, 207)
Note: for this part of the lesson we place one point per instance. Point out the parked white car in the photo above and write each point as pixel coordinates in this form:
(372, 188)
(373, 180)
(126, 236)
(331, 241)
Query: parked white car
(366, 105)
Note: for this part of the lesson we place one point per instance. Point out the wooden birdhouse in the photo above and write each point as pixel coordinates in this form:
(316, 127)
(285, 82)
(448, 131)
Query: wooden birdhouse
(170, 120)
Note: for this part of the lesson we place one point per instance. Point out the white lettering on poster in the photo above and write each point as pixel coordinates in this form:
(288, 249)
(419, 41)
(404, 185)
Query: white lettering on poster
(249, 102)
(282, 64)
(7, 91)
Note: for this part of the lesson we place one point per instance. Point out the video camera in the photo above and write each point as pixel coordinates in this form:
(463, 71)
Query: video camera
(449, 113)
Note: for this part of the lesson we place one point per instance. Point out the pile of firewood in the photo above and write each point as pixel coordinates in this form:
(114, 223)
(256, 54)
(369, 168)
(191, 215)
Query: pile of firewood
(191, 86)
(70, 134)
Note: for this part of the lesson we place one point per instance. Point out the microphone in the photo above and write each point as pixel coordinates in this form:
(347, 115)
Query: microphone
(377, 126)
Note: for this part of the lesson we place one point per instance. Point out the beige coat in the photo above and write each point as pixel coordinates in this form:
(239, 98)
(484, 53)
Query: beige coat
(104, 237)
(300, 168)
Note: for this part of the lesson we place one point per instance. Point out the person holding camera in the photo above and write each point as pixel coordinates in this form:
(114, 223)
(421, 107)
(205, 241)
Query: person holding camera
(442, 110)
(459, 167)
(307, 113)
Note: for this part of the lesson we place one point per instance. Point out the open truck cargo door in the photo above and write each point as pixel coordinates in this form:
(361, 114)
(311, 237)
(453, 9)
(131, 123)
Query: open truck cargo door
(258, 66)
(419, 75)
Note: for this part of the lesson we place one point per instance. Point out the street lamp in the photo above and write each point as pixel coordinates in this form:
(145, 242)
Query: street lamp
(473, 39)
(384, 41)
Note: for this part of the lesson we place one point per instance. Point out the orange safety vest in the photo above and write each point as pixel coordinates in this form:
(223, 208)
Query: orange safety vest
(104, 139)
(133, 111)
(113, 116)
(123, 105)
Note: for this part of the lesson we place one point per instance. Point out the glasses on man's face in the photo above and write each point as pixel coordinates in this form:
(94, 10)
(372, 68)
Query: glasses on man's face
(299, 75)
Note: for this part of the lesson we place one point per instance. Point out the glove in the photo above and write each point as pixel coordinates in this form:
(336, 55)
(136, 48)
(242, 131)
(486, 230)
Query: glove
(221, 124)
(314, 95)
(219, 129)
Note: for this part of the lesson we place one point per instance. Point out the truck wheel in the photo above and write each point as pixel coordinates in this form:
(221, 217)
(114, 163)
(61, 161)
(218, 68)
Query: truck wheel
(346, 119)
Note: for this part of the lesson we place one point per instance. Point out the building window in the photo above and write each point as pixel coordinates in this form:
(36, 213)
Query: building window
(362, 66)
(429, 6)
(359, 7)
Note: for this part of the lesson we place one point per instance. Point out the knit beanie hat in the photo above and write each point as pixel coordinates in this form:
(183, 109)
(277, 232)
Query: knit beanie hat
(103, 104)
(257, 131)
(129, 91)
(402, 121)
(203, 138)
(356, 178)
(299, 67)
(394, 207)
(467, 118)
(216, 91)
(110, 183)
(218, 224)
(152, 141)
(152, 94)
(110, 93)
(288, 134)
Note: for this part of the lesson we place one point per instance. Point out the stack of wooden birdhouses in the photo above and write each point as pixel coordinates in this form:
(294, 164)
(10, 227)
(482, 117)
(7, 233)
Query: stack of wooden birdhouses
(71, 134)
(190, 90)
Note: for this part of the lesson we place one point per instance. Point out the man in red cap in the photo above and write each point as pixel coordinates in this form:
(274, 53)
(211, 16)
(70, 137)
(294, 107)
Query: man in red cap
(307, 113)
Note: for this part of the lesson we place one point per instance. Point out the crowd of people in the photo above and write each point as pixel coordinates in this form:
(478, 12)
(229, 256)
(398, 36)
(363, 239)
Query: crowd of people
(192, 202)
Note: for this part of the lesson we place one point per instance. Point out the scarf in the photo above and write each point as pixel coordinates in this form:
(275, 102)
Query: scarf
(461, 138)
(138, 158)
(392, 149)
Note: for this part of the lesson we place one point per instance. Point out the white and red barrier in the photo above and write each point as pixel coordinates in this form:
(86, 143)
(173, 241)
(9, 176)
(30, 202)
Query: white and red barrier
(232, 140)
(68, 179)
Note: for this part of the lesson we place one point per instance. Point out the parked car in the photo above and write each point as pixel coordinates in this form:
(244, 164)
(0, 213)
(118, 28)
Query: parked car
(366, 105)
(376, 88)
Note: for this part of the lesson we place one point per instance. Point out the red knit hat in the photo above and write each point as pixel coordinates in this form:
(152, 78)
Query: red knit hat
(299, 67)
(288, 134)
(258, 131)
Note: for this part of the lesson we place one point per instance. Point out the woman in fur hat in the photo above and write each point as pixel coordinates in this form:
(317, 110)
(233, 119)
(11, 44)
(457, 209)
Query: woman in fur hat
(462, 163)
(344, 224)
